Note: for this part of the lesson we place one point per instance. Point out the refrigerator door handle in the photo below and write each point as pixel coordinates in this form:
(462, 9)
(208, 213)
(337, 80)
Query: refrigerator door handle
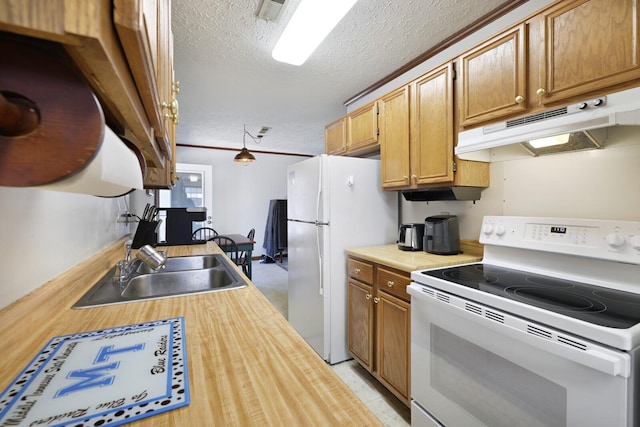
(320, 247)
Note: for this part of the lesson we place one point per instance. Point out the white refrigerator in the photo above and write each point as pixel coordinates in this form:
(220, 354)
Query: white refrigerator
(333, 202)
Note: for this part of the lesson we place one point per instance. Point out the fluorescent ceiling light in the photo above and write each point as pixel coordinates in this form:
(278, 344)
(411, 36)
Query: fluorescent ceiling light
(312, 21)
(550, 141)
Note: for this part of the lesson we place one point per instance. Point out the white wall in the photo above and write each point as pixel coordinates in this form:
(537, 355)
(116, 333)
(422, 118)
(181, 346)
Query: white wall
(241, 194)
(601, 184)
(44, 233)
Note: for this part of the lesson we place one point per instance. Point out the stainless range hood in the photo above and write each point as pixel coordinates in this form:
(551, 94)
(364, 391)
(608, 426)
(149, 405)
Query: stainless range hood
(621, 108)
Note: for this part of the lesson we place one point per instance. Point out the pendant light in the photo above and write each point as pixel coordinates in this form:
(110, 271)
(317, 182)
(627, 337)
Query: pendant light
(244, 156)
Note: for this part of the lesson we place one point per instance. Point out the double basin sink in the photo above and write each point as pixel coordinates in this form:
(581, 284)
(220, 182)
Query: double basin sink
(180, 276)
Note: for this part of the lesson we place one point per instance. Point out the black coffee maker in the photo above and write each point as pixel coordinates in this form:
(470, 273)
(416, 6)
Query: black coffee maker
(179, 224)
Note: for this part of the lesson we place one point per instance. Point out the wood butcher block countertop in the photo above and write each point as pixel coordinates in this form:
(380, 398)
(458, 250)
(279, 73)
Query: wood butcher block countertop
(246, 364)
(409, 261)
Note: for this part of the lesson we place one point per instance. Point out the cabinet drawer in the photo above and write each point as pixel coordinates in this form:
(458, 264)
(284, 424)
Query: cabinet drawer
(360, 270)
(393, 283)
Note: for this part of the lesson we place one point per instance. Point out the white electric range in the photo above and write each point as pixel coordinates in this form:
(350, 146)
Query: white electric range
(545, 331)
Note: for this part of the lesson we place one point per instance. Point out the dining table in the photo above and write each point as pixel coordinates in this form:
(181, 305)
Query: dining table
(244, 244)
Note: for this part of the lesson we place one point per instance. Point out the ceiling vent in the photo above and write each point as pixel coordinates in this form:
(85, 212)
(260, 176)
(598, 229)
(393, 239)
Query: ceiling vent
(271, 10)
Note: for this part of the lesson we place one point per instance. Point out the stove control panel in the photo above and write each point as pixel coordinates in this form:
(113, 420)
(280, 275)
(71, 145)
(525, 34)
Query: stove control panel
(606, 239)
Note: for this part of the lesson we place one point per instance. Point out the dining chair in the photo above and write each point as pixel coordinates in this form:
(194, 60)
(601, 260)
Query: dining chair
(204, 233)
(228, 246)
(243, 259)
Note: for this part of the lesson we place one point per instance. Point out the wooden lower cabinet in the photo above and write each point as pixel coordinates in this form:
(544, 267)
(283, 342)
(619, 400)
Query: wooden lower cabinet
(361, 323)
(379, 317)
(393, 338)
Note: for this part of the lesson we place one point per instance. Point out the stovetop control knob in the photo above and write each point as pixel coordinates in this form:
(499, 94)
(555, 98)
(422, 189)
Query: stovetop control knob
(487, 229)
(615, 239)
(500, 230)
(635, 242)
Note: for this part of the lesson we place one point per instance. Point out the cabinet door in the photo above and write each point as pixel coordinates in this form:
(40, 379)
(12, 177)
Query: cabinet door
(394, 138)
(362, 128)
(335, 136)
(360, 323)
(589, 45)
(393, 344)
(494, 78)
(432, 127)
(144, 29)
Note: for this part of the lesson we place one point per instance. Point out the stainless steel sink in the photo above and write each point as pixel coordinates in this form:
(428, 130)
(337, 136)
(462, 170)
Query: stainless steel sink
(181, 276)
(182, 263)
(176, 283)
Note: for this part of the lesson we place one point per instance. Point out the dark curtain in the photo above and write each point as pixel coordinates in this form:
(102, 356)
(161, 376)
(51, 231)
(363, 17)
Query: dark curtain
(275, 232)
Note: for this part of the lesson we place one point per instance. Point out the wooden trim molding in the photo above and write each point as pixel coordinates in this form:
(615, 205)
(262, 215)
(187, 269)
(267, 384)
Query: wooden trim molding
(444, 44)
(208, 147)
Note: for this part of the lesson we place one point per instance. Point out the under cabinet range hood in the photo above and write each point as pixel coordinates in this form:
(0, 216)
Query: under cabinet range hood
(443, 194)
(621, 108)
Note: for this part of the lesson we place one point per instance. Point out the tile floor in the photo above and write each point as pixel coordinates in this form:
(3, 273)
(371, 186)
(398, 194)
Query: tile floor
(272, 282)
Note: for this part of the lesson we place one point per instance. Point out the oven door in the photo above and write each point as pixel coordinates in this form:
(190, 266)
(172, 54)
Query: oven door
(472, 365)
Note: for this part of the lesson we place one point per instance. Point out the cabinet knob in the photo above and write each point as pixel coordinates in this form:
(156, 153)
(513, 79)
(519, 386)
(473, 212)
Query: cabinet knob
(368, 296)
(519, 99)
(405, 177)
(390, 283)
(171, 106)
(376, 300)
(356, 271)
(414, 176)
(174, 109)
(541, 91)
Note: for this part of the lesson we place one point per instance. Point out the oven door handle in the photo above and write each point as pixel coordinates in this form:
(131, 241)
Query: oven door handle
(609, 361)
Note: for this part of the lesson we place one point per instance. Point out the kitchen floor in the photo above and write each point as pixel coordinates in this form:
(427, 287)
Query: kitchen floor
(272, 282)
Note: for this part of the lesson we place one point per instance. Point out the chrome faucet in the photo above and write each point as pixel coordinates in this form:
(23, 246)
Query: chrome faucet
(127, 254)
(126, 267)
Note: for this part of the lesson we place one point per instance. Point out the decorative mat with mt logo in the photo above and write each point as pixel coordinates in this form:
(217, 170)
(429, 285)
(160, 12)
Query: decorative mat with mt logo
(106, 377)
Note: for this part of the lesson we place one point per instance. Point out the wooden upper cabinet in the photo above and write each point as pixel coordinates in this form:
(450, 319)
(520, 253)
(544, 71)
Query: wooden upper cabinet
(354, 134)
(417, 136)
(394, 138)
(589, 45)
(569, 51)
(144, 29)
(493, 78)
(362, 128)
(335, 136)
(432, 137)
(130, 87)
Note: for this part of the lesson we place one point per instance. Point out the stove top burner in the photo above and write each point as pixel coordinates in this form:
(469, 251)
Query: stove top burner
(594, 304)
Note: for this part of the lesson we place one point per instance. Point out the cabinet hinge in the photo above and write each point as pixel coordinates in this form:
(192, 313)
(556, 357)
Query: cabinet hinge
(454, 75)
(377, 131)
(455, 166)
(377, 109)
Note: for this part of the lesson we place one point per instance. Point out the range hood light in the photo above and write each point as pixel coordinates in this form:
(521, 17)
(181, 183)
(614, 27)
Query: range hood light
(574, 141)
(550, 141)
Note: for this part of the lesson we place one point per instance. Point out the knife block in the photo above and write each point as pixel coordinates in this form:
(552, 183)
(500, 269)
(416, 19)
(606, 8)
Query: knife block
(145, 234)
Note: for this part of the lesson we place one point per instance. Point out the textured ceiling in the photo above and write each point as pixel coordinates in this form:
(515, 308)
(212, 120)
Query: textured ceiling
(222, 58)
